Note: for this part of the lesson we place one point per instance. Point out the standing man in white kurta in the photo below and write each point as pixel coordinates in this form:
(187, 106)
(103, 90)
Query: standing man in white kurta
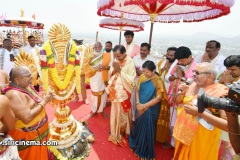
(7, 55)
(31, 45)
(212, 55)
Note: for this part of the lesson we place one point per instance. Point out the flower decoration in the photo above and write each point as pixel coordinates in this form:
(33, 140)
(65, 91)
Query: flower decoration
(47, 60)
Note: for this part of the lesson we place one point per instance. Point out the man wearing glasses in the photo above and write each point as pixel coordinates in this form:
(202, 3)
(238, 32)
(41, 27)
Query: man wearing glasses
(197, 135)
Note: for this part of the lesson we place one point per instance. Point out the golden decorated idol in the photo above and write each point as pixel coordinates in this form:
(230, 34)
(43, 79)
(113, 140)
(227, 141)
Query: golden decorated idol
(59, 69)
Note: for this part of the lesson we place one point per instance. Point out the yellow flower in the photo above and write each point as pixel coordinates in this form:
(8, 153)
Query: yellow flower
(45, 79)
(61, 84)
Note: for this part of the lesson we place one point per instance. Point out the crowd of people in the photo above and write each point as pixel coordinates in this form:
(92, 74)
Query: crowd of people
(17, 37)
(150, 100)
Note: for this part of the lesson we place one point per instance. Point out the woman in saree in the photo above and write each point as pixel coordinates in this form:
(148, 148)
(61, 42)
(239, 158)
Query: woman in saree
(150, 90)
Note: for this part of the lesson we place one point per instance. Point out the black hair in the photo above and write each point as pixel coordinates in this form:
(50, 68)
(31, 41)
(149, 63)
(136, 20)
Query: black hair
(129, 33)
(172, 49)
(80, 41)
(233, 60)
(147, 45)
(121, 48)
(109, 42)
(30, 37)
(150, 66)
(182, 52)
(10, 76)
(7, 39)
(218, 44)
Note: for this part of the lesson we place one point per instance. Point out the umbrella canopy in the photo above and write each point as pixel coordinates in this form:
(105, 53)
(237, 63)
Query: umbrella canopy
(21, 22)
(166, 11)
(122, 25)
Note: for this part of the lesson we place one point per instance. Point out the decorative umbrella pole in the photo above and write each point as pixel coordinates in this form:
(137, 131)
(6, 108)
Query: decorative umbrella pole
(120, 35)
(96, 36)
(23, 29)
(153, 17)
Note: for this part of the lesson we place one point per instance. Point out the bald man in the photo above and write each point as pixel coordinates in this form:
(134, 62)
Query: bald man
(29, 109)
(197, 134)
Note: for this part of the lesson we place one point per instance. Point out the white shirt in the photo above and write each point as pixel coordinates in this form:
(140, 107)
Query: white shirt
(217, 62)
(138, 61)
(29, 49)
(7, 64)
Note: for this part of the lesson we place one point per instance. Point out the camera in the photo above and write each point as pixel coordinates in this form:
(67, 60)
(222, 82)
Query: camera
(230, 104)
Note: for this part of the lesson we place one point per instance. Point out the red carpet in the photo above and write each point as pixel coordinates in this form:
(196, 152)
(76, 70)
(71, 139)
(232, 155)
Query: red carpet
(102, 149)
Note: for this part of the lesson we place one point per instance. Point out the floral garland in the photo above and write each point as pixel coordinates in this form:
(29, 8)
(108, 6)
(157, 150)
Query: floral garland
(48, 64)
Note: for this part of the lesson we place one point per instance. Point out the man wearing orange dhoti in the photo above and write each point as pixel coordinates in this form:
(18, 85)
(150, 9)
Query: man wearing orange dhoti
(120, 87)
(197, 135)
(31, 119)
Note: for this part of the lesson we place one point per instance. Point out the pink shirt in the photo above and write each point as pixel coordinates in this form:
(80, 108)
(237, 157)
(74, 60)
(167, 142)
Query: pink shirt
(135, 50)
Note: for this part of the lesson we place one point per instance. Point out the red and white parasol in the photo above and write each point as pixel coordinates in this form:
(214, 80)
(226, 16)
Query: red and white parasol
(121, 25)
(166, 11)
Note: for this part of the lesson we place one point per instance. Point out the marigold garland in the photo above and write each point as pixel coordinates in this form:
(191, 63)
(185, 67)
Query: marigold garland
(48, 66)
(45, 79)
(56, 153)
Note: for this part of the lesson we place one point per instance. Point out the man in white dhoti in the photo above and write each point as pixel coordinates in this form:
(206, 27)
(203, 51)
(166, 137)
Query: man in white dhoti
(100, 63)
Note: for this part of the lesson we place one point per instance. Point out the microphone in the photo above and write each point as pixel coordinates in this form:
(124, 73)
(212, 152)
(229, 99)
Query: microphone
(187, 82)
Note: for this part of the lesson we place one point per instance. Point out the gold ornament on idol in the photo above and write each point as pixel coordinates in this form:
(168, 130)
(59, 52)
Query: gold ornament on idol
(31, 61)
(60, 65)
